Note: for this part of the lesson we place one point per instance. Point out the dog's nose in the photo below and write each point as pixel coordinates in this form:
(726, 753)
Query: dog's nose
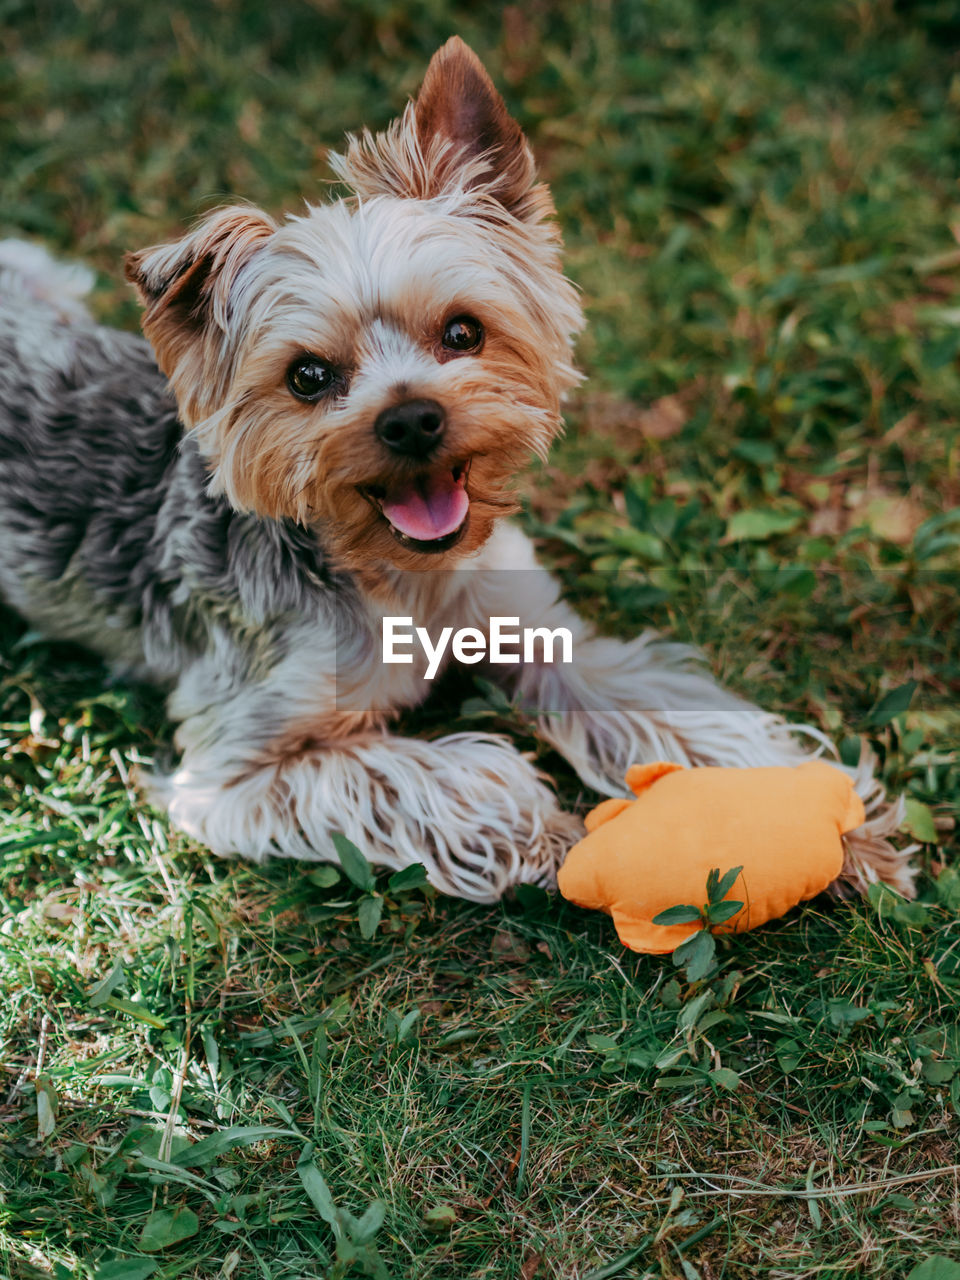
(413, 428)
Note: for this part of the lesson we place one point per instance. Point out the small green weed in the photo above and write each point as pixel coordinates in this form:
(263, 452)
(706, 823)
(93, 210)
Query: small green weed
(697, 954)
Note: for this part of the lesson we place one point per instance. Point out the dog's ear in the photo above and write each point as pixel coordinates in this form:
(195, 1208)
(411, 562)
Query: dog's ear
(461, 117)
(457, 136)
(185, 286)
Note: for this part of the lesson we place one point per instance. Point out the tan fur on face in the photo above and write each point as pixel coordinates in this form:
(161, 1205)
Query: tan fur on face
(448, 222)
(502, 405)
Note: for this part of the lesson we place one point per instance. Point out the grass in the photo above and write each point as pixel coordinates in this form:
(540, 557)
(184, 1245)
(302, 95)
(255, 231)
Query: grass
(211, 1070)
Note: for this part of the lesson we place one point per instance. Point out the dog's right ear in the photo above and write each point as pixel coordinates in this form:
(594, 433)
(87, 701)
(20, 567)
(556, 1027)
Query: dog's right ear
(185, 286)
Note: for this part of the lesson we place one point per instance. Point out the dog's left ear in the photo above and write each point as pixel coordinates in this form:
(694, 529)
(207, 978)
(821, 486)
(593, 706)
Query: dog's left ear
(457, 136)
(462, 119)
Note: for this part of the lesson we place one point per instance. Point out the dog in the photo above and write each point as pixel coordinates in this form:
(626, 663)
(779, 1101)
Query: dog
(324, 431)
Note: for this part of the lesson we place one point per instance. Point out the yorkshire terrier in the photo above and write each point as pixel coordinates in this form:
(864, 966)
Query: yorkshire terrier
(354, 390)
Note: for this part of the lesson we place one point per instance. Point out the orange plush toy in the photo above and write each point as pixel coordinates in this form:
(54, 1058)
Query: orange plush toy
(782, 825)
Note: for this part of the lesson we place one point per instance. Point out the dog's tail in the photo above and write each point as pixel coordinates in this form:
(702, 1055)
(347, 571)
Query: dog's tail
(28, 272)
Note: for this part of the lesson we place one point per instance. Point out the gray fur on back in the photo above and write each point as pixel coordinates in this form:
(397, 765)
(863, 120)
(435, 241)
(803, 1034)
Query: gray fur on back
(107, 535)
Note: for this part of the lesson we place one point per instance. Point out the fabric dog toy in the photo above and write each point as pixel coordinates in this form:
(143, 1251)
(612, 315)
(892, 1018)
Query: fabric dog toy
(783, 825)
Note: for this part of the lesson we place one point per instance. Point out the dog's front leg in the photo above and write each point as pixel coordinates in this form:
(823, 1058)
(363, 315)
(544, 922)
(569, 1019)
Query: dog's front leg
(618, 702)
(469, 807)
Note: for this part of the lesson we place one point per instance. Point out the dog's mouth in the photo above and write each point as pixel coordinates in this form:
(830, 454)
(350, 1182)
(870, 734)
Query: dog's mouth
(428, 512)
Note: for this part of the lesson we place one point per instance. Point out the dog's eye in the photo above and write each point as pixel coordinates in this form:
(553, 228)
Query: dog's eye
(462, 333)
(308, 377)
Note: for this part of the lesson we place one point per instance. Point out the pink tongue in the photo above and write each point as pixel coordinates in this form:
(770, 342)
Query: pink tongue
(428, 508)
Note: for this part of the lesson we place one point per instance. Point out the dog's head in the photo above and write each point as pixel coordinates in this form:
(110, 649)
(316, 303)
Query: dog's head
(380, 367)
